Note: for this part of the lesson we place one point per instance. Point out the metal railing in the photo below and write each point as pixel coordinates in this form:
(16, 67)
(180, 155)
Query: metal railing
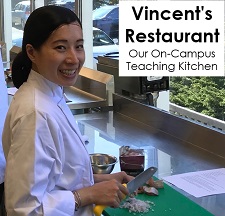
(197, 117)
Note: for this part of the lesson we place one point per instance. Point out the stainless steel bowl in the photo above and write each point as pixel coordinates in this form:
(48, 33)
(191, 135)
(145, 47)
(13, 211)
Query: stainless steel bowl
(102, 163)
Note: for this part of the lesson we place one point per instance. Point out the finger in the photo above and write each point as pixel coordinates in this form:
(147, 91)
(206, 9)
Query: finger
(116, 203)
(121, 196)
(124, 190)
(118, 199)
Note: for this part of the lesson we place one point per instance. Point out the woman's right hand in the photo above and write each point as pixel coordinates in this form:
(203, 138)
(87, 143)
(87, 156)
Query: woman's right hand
(107, 193)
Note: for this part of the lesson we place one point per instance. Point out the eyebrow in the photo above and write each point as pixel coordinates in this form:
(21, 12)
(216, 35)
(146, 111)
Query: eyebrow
(63, 40)
(80, 40)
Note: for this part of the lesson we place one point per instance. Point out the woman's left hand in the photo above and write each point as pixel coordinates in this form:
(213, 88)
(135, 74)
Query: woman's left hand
(121, 177)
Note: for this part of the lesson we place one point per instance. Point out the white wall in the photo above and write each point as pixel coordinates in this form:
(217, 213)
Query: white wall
(87, 7)
(7, 24)
(163, 100)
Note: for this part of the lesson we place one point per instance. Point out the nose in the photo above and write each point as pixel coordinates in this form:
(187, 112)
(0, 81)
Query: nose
(72, 57)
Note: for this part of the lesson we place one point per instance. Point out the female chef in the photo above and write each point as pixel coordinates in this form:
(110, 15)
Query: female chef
(48, 170)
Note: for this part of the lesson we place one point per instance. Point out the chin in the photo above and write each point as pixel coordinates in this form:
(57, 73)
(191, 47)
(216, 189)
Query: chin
(69, 82)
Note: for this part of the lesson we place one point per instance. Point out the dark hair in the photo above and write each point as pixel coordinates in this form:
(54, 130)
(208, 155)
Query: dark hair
(39, 26)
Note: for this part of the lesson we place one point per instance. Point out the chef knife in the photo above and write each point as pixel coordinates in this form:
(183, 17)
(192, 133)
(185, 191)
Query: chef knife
(132, 186)
(140, 179)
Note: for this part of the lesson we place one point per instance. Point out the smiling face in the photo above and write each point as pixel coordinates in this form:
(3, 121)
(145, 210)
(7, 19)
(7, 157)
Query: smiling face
(61, 57)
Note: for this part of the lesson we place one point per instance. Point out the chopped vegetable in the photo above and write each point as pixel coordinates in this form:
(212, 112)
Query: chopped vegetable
(136, 206)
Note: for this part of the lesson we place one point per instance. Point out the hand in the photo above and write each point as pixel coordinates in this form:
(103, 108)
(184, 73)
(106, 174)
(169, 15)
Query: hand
(109, 193)
(107, 190)
(121, 177)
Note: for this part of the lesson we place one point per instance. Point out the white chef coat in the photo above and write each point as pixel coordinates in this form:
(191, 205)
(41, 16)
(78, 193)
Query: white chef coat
(46, 157)
(3, 110)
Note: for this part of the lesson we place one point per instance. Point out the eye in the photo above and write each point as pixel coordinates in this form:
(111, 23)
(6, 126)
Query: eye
(80, 47)
(60, 47)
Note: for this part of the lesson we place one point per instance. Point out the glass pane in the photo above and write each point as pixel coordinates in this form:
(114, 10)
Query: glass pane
(100, 38)
(63, 3)
(21, 11)
(105, 17)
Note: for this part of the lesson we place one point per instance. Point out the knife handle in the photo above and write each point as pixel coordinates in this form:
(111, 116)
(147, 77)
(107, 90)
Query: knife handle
(98, 209)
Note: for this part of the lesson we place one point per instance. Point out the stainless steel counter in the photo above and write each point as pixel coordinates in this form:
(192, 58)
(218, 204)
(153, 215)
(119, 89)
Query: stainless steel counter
(172, 144)
(92, 89)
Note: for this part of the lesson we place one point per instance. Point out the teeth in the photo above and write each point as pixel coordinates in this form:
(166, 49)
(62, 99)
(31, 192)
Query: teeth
(68, 72)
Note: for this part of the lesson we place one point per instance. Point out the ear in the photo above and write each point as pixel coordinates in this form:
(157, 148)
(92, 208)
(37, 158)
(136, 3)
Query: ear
(30, 52)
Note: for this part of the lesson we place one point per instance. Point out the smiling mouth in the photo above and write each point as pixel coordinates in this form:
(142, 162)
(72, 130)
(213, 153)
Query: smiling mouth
(68, 72)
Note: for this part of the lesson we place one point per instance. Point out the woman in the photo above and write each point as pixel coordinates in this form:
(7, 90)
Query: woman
(48, 170)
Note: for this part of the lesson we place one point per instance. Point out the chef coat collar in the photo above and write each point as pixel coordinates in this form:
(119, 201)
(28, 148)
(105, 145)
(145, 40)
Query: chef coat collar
(46, 86)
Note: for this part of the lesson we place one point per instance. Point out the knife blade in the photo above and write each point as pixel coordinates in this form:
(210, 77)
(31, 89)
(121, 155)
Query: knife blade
(140, 179)
(132, 186)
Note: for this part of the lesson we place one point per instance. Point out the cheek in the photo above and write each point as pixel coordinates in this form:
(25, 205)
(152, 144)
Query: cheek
(81, 58)
(47, 65)
(51, 61)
